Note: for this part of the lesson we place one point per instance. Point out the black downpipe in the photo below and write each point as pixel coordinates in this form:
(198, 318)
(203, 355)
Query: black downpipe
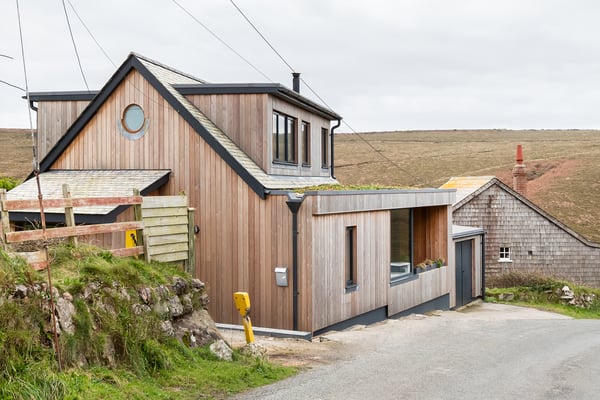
(294, 204)
(34, 108)
(339, 122)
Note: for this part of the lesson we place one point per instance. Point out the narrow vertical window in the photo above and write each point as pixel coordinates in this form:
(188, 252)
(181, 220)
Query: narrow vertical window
(324, 148)
(305, 143)
(350, 258)
(284, 138)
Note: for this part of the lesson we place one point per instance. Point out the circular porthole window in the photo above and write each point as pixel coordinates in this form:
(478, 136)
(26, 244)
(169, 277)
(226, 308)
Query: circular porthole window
(133, 118)
(133, 123)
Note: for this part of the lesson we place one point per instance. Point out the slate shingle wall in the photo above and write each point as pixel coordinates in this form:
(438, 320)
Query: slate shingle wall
(536, 244)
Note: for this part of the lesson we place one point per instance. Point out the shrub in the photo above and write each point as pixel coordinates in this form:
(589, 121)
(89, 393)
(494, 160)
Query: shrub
(8, 182)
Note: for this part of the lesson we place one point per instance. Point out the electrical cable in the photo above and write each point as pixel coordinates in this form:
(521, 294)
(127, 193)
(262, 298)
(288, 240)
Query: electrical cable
(74, 45)
(221, 40)
(91, 35)
(262, 36)
(15, 86)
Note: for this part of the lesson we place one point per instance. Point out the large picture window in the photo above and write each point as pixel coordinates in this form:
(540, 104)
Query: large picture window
(284, 138)
(401, 237)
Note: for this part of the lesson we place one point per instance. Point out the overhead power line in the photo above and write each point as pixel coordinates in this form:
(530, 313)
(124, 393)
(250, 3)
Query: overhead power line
(91, 35)
(379, 152)
(11, 85)
(262, 36)
(74, 45)
(221, 40)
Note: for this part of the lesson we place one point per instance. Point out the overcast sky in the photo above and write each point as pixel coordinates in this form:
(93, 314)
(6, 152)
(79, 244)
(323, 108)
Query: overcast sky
(382, 65)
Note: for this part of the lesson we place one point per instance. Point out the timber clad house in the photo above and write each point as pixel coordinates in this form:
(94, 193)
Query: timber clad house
(243, 153)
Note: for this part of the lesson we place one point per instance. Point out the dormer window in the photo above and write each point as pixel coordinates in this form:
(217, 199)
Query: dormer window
(284, 138)
(305, 143)
(324, 148)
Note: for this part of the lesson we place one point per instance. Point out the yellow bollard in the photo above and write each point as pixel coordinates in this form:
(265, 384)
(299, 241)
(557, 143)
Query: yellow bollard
(242, 303)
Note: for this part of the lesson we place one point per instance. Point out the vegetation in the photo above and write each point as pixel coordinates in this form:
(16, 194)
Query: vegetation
(546, 293)
(338, 187)
(8, 183)
(146, 363)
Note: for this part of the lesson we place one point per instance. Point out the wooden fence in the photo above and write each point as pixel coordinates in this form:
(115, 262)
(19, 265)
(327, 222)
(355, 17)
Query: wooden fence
(163, 225)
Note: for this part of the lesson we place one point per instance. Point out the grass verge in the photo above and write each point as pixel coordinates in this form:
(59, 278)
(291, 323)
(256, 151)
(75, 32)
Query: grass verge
(545, 293)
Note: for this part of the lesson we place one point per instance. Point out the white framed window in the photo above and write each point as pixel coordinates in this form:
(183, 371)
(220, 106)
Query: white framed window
(504, 254)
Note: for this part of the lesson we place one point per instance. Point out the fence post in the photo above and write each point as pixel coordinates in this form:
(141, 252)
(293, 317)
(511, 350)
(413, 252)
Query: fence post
(69, 214)
(190, 265)
(139, 234)
(5, 227)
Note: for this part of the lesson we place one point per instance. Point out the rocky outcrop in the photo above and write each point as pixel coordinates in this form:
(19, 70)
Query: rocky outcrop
(181, 306)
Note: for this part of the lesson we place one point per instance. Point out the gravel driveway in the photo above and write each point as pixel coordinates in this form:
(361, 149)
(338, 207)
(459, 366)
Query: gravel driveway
(487, 351)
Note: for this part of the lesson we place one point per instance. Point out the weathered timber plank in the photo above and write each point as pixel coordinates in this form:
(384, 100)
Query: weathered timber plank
(127, 252)
(165, 230)
(15, 237)
(164, 212)
(171, 257)
(167, 248)
(165, 201)
(15, 205)
(167, 239)
(162, 221)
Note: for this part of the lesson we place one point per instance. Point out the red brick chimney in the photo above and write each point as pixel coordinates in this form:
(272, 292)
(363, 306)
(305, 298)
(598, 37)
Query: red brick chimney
(520, 173)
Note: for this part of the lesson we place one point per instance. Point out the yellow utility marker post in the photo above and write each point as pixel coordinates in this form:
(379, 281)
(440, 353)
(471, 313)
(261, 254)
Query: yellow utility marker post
(242, 303)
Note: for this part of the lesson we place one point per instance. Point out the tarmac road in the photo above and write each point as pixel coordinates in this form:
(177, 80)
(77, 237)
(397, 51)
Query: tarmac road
(487, 351)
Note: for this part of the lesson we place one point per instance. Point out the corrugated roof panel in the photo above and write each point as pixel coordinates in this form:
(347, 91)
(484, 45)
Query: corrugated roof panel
(466, 185)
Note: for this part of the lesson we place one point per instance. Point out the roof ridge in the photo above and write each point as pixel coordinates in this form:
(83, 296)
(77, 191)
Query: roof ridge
(164, 66)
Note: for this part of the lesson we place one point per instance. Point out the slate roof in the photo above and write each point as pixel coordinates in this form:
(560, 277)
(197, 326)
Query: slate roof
(86, 183)
(165, 79)
(469, 187)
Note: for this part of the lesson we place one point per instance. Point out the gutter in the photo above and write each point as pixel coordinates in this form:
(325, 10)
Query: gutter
(294, 202)
(339, 122)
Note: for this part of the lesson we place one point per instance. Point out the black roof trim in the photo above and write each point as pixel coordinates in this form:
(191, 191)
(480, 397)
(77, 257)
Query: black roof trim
(76, 95)
(132, 62)
(201, 130)
(275, 89)
(59, 218)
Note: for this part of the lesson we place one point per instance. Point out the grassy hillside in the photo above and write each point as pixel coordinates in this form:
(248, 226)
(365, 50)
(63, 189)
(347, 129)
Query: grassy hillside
(563, 166)
(16, 160)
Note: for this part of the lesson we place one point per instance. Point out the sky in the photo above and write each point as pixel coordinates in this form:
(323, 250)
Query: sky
(383, 65)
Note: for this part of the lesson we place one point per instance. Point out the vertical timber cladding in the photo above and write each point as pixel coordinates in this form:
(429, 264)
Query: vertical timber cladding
(242, 116)
(241, 239)
(432, 228)
(330, 302)
(53, 120)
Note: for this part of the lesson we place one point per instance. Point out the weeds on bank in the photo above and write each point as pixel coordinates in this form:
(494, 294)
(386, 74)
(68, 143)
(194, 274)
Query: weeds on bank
(544, 292)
